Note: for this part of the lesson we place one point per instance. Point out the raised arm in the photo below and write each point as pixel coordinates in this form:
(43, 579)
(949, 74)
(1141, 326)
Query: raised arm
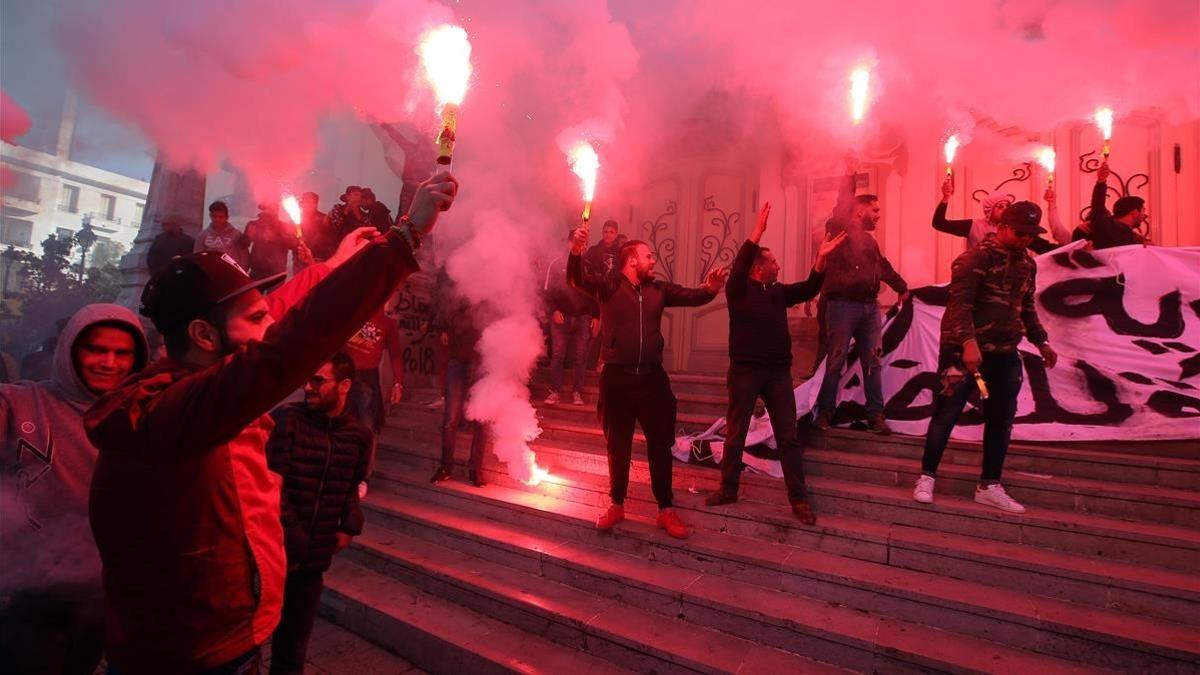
(596, 286)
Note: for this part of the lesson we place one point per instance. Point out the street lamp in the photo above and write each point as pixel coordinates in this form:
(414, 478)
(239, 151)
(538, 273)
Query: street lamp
(86, 237)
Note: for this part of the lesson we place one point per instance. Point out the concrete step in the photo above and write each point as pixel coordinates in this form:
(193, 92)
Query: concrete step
(1123, 586)
(1098, 637)
(1117, 500)
(1073, 532)
(437, 635)
(333, 650)
(588, 623)
(788, 621)
(1073, 460)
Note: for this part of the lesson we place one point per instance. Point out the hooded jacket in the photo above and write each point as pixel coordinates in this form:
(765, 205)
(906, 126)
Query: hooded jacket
(183, 506)
(47, 463)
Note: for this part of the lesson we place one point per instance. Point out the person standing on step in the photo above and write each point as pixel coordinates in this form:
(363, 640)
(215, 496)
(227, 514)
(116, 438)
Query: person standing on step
(760, 361)
(172, 241)
(991, 307)
(850, 304)
(460, 336)
(221, 236)
(378, 335)
(574, 321)
(994, 204)
(184, 509)
(634, 387)
(321, 455)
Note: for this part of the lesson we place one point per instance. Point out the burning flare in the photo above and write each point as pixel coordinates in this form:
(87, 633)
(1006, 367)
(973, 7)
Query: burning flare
(445, 55)
(1045, 157)
(292, 206)
(585, 163)
(860, 80)
(1104, 120)
(950, 149)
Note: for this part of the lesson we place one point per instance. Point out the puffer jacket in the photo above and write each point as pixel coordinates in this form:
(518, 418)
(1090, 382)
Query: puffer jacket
(321, 460)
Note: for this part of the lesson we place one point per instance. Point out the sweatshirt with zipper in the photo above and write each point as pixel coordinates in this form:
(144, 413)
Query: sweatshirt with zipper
(631, 315)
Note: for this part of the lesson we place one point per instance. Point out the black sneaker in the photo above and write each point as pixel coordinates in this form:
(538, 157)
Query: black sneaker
(441, 476)
(719, 498)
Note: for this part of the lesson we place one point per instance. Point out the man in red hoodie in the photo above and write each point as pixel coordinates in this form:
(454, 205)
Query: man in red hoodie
(183, 507)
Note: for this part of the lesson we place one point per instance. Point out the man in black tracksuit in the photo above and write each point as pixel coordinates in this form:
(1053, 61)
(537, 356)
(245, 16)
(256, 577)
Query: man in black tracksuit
(633, 384)
(760, 361)
(322, 456)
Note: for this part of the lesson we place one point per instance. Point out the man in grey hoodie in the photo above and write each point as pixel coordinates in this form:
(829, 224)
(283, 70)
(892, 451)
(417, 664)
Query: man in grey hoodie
(51, 602)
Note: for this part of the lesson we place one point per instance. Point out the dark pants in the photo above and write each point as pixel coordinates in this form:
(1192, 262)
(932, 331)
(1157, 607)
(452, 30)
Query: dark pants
(647, 399)
(1003, 375)
(846, 319)
(746, 383)
(365, 403)
(301, 599)
(57, 630)
(570, 336)
(459, 377)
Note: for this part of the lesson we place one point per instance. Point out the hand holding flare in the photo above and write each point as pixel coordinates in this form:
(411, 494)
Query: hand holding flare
(1104, 120)
(1046, 158)
(586, 163)
(446, 58)
(292, 207)
(950, 149)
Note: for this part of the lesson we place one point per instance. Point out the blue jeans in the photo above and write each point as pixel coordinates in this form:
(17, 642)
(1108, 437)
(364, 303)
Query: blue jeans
(845, 319)
(460, 375)
(1003, 375)
(574, 332)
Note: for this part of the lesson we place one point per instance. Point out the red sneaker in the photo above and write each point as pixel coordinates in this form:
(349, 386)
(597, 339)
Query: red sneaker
(614, 515)
(669, 521)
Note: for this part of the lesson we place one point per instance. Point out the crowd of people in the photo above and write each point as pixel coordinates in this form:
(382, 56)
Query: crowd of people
(174, 516)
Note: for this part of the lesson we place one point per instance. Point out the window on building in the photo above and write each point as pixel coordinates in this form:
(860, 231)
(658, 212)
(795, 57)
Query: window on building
(108, 207)
(25, 186)
(138, 210)
(63, 233)
(69, 199)
(16, 232)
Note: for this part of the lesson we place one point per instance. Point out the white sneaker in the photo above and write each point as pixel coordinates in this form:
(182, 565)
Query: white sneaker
(577, 398)
(995, 496)
(552, 398)
(923, 492)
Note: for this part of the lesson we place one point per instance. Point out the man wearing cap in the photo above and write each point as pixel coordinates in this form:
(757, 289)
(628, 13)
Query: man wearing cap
(991, 308)
(183, 507)
(994, 204)
(347, 216)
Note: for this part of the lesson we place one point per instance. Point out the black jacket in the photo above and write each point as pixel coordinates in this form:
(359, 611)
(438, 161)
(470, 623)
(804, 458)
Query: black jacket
(631, 316)
(854, 270)
(559, 295)
(758, 326)
(322, 460)
(1106, 232)
(166, 246)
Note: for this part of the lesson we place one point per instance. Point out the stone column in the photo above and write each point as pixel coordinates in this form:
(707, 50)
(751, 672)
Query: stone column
(174, 194)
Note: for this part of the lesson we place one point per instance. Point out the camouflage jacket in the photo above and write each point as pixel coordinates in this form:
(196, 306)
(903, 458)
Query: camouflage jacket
(991, 299)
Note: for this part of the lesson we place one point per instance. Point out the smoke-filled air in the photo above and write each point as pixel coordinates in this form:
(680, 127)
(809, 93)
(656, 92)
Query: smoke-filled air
(248, 82)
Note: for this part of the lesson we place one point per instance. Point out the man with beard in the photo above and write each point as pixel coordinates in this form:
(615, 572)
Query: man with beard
(321, 455)
(183, 507)
(52, 618)
(991, 308)
(850, 302)
(634, 387)
(1119, 228)
(760, 355)
(994, 205)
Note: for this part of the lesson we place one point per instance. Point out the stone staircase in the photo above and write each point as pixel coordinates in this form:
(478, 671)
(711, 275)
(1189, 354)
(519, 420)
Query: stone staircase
(1101, 574)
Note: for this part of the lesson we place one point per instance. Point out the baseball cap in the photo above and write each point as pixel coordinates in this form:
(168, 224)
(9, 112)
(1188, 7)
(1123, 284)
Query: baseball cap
(192, 284)
(1023, 217)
